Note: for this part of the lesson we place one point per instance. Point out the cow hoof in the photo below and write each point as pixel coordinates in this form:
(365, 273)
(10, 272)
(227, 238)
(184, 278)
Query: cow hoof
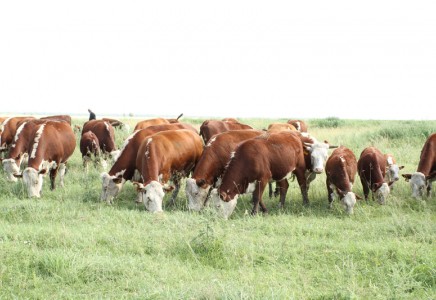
(265, 213)
(306, 203)
(329, 207)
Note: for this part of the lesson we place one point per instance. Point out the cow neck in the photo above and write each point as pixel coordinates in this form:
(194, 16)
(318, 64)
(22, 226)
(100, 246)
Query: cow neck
(150, 167)
(344, 183)
(208, 168)
(375, 173)
(20, 145)
(234, 182)
(307, 160)
(121, 164)
(427, 160)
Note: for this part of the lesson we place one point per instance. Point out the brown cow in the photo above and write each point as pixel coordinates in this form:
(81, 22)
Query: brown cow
(372, 167)
(117, 124)
(65, 118)
(392, 170)
(341, 170)
(77, 128)
(277, 127)
(167, 155)
(51, 145)
(211, 166)
(89, 146)
(9, 128)
(423, 178)
(211, 127)
(300, 125)
(146, 123)
(255, 162)
(2, 119)
(124, 167)
(172, 121)
(105, 134)
(230, 120)
(18, 151)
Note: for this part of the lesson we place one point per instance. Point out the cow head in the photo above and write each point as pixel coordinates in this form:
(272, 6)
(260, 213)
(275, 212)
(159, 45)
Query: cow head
(196, 192)
(12, 166)
(381, 191)
(393, 172)
(419, 183)
(222, 203)
(318, 155)
(33, 179)
(153, 194)
(348, 200)
(111, 186)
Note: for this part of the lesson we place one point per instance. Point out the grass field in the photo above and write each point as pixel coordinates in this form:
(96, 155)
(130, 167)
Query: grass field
(68, 245)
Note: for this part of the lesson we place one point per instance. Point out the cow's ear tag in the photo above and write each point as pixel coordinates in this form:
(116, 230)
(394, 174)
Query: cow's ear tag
(306, 152)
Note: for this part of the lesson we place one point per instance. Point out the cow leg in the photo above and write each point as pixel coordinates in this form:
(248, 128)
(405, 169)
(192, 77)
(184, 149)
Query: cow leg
(66, 169)
(62, 171)
(283, 185)
(331, 194)
(299, 172)
(428, 189)
(257, 198)
(53, 173)
(270, 189)
(177, 184)
(365, 186)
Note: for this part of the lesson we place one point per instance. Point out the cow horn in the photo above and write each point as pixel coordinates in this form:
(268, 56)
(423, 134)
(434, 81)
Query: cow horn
(330, 147)
(308, 144)
(179, 116)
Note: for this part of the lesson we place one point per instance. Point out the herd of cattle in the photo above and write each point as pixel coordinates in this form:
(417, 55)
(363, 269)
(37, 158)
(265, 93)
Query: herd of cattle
(225, 159)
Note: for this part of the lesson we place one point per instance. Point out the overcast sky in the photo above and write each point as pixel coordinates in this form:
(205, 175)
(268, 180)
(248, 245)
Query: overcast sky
(299, 59)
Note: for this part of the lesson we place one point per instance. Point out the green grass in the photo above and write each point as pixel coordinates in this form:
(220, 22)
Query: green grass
(68, 245)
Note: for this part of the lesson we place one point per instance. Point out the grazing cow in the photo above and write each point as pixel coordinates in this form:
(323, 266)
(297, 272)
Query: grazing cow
(167, 155)
(65, 118)
(9, 128)
(19, 148)
(277, 127)
(341, 170)
(124, 167)
(77, 128)
(117, 124)
(89, 146)
(255, 162)
(211, 166)
(172, 121)
(392, 170)
(423, 178)
(230, 120)
(105, 134)
(211, 127)
(300, 125)
(146, 123)
(51, 145)
(372, 167)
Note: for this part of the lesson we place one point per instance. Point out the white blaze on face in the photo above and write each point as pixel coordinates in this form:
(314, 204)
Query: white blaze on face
(318, 156)
(110, 189)
(382, 193)
(393, 172)
(11, 168)
(418, 184)
(195, 194)
(348, 202)
(224, 209)
(33, 180)
(36, 141)
(152, 196)
(390, 162)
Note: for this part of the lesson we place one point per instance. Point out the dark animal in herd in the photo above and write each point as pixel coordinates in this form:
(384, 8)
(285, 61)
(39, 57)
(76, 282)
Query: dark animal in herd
(89, 146)
(182, 150)
(422, 179)
(124, 167)
(341, 170)
(9, 127)
(255, 162)
(211, 166)
(211, 127)
(51, 145)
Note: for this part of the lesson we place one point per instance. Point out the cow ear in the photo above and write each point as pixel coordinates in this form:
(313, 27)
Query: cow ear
(201, 182)
(18, 156)
(407, 176)
(43, 172)
(223, 196)
(390, 183)
(357, 196)
(118, 179)
(401, 167)
(431, 176)
(139, 187)
(376, 186)
(168, 188)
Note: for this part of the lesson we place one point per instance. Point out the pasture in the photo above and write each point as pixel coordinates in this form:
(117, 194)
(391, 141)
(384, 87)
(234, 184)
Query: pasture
(68, 245)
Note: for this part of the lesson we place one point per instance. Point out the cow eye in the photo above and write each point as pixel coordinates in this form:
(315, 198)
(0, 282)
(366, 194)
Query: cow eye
(196, 193)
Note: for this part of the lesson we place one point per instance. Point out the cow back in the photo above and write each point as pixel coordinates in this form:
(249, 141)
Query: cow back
(211, 127)
(144, 124)
(64, 118)
(341, 168)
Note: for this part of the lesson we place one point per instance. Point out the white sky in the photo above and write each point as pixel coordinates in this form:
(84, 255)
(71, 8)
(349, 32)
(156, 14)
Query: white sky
(299, 59)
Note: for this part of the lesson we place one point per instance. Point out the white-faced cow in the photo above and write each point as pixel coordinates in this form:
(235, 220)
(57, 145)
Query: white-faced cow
(105, 135)
(298, 124)
(257, 161)
(9, 128)
(372, 167)
(211, 127)
(211, 166)
(392, 170)
(167, 155)
(117, 124)
(20, 146)
(51, 145)
(341, 170)
(124, 167)
(423, 178)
